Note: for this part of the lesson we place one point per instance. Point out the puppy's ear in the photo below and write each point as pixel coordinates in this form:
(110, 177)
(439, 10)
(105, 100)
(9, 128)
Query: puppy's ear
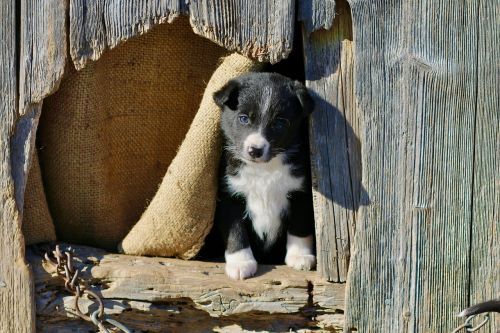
(304, 97)
(228, 95)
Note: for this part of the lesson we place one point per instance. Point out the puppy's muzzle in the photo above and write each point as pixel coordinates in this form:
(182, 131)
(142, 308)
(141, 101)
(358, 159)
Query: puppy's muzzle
(255, 152)
(256, 148)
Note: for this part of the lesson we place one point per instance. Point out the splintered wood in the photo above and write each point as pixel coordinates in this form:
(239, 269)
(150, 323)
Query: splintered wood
(158, 294)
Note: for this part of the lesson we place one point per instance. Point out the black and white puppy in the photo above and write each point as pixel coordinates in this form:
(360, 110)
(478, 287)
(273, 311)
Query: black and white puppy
(265, 197)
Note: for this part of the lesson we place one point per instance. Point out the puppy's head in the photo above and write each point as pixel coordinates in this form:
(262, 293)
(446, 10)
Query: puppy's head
(261, 114)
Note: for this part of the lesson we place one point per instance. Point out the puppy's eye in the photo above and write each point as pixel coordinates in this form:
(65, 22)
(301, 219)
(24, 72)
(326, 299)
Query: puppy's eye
(244, 119)
(280, 124)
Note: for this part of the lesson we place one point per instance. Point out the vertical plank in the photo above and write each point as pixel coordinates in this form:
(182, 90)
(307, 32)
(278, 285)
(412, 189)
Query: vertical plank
(317, 14)
(42, 58)
(485, 245)
(335, 149)
(16, 288)
(262, 30)
(43, 49)
(258, 29)
(98, 25)
(415, 87)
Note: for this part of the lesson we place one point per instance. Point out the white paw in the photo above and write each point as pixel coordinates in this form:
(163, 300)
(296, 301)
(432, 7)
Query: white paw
(241, 270)
(299, 252)
(304, 262)
(241, 264)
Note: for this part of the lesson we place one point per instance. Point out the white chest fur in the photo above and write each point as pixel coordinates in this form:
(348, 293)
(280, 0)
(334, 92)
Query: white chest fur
(265, 187)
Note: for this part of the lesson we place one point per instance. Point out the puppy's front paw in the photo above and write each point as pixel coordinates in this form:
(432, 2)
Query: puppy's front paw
(241, 270)
(304, 262)
(299, 252)
(241, 264)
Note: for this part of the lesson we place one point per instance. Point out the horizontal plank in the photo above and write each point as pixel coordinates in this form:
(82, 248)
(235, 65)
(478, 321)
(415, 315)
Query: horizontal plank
(134, 284)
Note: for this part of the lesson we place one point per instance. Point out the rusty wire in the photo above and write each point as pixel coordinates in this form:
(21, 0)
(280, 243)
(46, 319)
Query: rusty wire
(63, 265)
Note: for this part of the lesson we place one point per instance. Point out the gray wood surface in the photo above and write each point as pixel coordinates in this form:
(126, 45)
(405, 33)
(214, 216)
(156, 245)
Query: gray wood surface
(334, 142)
(193, 293)
(16, 288)
(485, 246)
(417, 93)
(98, 25)
(318, 14)
(259, 29)
(42, 49)
(42, 61)
(263, 30)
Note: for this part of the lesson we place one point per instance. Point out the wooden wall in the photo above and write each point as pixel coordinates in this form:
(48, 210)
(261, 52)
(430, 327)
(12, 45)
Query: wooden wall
(405, 140)
(426, 90)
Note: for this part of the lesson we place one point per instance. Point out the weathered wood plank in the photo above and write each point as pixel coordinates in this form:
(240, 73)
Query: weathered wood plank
(98, 25)
(43, 49)
(335, 150)
(194, 291)
(42, 60)
(416, 93)
(317, 14)
(16, 305)
(258, 29)
(263, 30)
(485, 245)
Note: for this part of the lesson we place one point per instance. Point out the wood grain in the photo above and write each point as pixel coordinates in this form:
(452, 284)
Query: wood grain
(485, 243)
(42, 58)
(416, 90)
(196, 290)
(318, 14)
(262, 30)
(98, 25)
(16, 289)
(258, 29)
(334, 142)
(42, 50)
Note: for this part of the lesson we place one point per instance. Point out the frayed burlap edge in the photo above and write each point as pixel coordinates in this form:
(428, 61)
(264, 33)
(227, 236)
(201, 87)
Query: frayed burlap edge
(181, 213)
(37, 222)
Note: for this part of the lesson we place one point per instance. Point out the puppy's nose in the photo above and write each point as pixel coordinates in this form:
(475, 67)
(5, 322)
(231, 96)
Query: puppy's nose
(255, 152)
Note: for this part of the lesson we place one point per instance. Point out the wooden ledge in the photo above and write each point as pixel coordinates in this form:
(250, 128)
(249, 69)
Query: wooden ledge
(140, 288)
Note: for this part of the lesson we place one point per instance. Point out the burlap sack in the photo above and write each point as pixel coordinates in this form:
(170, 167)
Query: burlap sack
(181, 213)
(111, 130)
(37, 222)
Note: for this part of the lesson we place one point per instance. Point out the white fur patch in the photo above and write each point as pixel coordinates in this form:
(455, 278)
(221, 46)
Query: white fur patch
(299, 252)
(256, 140)
(266, 186)
(240, 264)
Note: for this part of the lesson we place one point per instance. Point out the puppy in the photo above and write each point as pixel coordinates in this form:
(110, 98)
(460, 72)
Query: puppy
(265, 196)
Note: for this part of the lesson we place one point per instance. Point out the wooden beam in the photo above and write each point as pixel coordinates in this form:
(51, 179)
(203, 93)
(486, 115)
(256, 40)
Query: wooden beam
(189, 293)
(335, 149)
(416, 88)
(16, 290)
(485, 243)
